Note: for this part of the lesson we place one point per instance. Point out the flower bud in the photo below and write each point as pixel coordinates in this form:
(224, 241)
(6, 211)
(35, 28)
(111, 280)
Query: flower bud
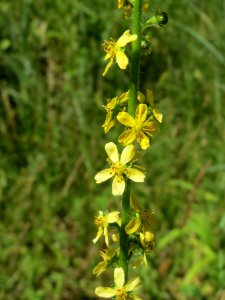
(158, 20)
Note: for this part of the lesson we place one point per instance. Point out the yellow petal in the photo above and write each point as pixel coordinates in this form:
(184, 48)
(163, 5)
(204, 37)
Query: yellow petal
(121, 59)
(109, 122)
(105, 292)
(135, 175)
(103, 175)
(148, 236)
(118, 186)
(105, 232)
(127, 137)
(126, 38)
(107, 56)
(133, 225)
(134, 204)
(108, 66)
(143, 140)
(119, 277)
(157, 115)
(98, 235)
(126, 119)
(112, 217)
(108, 126)
(127, 154)
(141, 113)
(112, 152)
(133, 284)
(150, 97)
(124, 97)
(101, 267)
(141, 97)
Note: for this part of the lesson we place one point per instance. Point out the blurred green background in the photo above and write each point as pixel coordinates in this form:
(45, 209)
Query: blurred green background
(52, 144)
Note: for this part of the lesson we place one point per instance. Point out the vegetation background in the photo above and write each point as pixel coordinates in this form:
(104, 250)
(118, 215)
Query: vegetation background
(52, 144)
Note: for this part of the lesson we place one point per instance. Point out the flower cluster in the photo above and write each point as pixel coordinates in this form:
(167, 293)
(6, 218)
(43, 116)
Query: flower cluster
(138, 127)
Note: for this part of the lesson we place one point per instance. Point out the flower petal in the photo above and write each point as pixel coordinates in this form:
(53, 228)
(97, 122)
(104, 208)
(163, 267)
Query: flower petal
(121, 59)
(124, 97)
(143, 140)
(118, 186)
(135, 175)
(112, 152)
(150, 97)
(108, 124)
(107, 56)
(105, 292)
(127, 154)
(157, 115)
(126, 119)
(103, 175)
(127, 137)
(101, 267)
(134, 204)
(98, 235)
(126, 38)
(133, 225)
(141, 97)
(112, 217)
(105, 232)
(108, 66)
(141, 113)
(119, 277)
(133, 284)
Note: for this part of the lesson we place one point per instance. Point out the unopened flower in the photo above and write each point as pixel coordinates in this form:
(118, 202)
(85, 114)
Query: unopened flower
(115, 50)
(103, 221)
(119, 168)
(141, 129)
(120, 291)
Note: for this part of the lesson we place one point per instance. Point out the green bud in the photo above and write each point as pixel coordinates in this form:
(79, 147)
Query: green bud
(158, 20)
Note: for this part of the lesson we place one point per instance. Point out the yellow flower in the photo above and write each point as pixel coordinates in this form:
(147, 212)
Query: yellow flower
(115, 50)
(120, 291)
(140, 130)
(142, 220)
(107, 256)
(103, 221)
(157, 115)
(113, 107)
(119, 168)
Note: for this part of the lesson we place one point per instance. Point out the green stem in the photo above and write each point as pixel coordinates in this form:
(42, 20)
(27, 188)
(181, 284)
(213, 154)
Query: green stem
(134, 87)
(124, 247)
(135, 57)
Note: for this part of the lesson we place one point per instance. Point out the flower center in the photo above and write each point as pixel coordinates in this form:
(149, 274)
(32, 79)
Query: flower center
(118, 169)
(121, 294)
(138, 127)
(109, 47)
(100, 221)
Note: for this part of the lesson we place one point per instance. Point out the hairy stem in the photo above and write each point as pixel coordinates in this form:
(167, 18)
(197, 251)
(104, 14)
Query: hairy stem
(134, 87)
(123, 260)
(135, 57)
